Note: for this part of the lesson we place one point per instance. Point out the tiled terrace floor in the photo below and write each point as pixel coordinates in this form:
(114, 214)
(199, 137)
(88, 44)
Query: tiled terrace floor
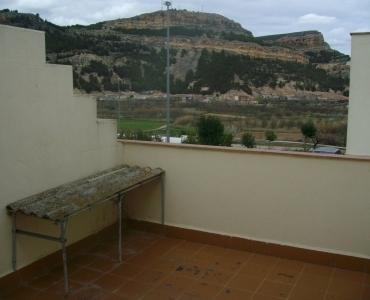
(160, 268)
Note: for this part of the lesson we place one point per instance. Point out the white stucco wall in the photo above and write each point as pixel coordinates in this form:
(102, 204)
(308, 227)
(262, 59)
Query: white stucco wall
(307, 201)
(48, 137)
(358, 141)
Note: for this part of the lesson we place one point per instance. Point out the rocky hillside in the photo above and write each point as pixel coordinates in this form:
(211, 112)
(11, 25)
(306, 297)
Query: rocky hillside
(303, 41)
(208, 51)
(203, 22)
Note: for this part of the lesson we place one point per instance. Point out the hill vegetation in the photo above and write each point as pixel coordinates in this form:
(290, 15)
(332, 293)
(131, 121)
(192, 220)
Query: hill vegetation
(116, 55)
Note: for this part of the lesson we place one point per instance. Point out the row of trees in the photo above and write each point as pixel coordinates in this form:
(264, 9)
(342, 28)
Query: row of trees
(211, 131)
(308, 130)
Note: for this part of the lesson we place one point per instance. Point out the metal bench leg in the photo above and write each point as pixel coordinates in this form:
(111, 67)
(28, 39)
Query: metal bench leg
(120, 227)
(162, 200)
(14, 241)
(63, 241)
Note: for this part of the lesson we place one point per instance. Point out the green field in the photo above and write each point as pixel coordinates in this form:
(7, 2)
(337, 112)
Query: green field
(152, 126)
(140, 124)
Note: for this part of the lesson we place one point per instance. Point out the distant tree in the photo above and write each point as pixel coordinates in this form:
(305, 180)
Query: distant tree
(248, 140)
(94, 83)
(227, 140)
(210, 131)
(310, 131)
(270, 136)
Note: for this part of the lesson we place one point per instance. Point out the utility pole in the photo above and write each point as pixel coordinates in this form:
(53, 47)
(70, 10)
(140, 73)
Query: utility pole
(168, 117)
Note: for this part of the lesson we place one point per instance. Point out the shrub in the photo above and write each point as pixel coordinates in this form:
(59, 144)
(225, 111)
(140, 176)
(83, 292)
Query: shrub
(270, 136)
(248, 140)
(210, 131)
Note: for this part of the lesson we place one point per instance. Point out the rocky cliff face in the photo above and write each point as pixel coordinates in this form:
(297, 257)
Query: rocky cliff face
(205, 22)
(303, 41)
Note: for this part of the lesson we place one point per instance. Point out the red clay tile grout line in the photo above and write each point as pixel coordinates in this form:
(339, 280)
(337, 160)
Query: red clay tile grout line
(137, 275)
(329, 284)
(170, 273)
(265, 278)
(86, 266)
(236, 273)
(103, 273)
(165, 277)
(296, 282)
(192, 256)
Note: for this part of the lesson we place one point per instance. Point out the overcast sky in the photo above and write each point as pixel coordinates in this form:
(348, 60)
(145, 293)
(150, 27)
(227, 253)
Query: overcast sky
(335, 18)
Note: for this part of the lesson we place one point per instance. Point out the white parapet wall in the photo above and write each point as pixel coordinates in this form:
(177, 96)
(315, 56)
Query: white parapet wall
(358, 141)
(309, 201)
(48, 137)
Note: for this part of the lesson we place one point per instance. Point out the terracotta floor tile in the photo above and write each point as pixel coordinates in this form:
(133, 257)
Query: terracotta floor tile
(102, 264)
(59, 288)
(265, 260)
(49, 296)
(286, 271)
(190, 270)
(46, 281)
(214, 250)
(233, 294)
(201, 262)
(366, 294)
(345, 289)
(179, 254)
(111, 296)
(127, 270)
(159, 268)
(133, 290)
(86, 293)
(175, 285)
(24, 293)
(155, 253)
(142, 260)
(275, 289)
(300, 293)
(256, 270)
(350, 276)
(317, 270)
(313, 282)
(110, 282)
(343, 297)
(165, 265)
(104, 249)
(229, 264)
(264, 297)
(151, 276)
(201, 290)
(85, 275)
(219, 277)
(203, 257)
(243, 256)
(161, 294)
(245, 282)
(83, 259)
(169, 243)
(190, 246)
(209, 251)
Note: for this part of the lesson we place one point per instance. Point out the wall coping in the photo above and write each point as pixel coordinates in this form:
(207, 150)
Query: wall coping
(249, 151)
(360, 33)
